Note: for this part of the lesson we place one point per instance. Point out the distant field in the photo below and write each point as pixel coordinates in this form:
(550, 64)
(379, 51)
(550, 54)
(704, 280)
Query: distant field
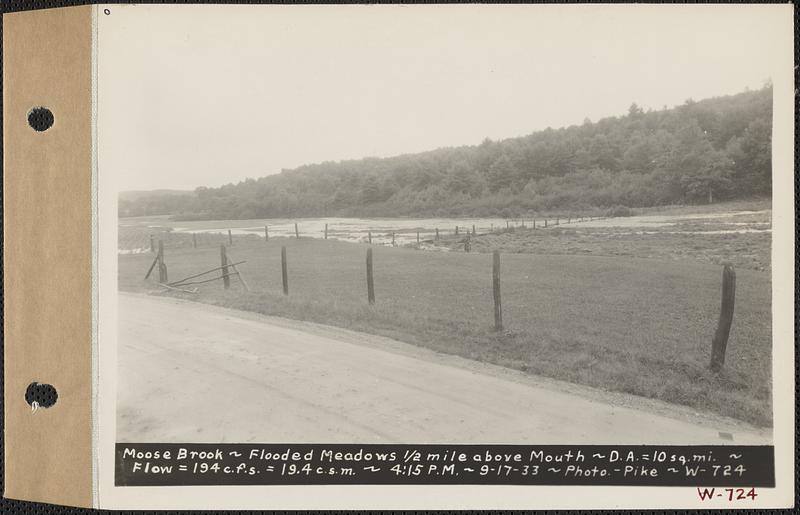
(641, 326)
(709, 234)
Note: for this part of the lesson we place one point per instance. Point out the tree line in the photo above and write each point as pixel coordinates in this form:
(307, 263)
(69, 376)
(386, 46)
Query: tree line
(699, 152)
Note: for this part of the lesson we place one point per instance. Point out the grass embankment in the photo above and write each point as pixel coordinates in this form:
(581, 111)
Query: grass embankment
(638, 326)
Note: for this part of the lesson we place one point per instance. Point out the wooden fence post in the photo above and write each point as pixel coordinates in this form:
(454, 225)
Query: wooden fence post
(498, 311)
(370, 284)
(506, 224)
(437, 234)
(720, 342)
(418, 238)
(392, 238)
(266, 233)
(194, 240)
(369, 237)
(296, 231)
(223, 258)
(162, 266)
(473, 229)
(456, 230)
(326, 231)
(230, 238)
(152, 245)
(545, 222)
(284, 271)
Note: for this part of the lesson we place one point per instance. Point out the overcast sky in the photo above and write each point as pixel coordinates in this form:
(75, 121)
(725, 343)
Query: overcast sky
(206, 95)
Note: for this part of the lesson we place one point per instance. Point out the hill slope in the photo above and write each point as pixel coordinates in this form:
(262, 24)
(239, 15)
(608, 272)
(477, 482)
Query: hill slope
(698, 152)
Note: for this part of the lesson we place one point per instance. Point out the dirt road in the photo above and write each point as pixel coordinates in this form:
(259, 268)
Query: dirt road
(191, 372)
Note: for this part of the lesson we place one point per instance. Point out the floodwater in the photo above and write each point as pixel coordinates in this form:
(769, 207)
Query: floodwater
(405, 230)
(348, 229)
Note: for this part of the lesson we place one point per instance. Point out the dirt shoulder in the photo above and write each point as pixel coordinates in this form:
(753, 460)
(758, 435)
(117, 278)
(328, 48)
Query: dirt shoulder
(242, 351)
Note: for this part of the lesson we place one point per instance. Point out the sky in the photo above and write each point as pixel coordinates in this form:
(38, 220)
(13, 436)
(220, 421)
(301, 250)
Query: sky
(197, 95)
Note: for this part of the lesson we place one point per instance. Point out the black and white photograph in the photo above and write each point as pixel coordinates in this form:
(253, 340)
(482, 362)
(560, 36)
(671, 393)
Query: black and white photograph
(450, 225)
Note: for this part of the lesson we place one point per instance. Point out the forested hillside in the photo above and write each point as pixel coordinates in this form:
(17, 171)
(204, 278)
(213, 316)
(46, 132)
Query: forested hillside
(699, 152)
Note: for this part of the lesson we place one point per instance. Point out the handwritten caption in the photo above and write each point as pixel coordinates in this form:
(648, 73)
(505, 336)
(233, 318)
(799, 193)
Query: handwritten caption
(148, 464)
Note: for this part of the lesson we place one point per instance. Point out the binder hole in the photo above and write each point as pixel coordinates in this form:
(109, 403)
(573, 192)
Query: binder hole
(40, 119)
(44, 395)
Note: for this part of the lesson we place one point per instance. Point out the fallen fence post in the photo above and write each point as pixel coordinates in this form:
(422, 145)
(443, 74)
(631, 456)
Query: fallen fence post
(720, 342)
(498, 311)
(188, 283)
(167, 286)
(223, 257)
(284, 272)
(296, 231)
(230, 238)
(184, 281)
(370, 284)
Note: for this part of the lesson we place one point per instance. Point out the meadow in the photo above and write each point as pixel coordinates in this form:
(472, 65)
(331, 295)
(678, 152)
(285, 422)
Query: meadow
(735, 232)
(639, 325)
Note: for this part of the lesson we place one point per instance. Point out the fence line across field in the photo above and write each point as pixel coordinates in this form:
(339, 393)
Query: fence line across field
(390, 236)
(228, 268)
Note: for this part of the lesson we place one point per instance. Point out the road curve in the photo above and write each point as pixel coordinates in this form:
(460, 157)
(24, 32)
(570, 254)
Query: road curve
(191, 372)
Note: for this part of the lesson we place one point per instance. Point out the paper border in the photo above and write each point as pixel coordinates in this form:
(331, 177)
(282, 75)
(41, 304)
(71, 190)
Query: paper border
(47, 255)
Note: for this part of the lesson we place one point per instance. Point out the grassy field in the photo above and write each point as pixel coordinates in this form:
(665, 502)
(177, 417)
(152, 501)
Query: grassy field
(750, 251)
(641, 326)
(691, 239)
